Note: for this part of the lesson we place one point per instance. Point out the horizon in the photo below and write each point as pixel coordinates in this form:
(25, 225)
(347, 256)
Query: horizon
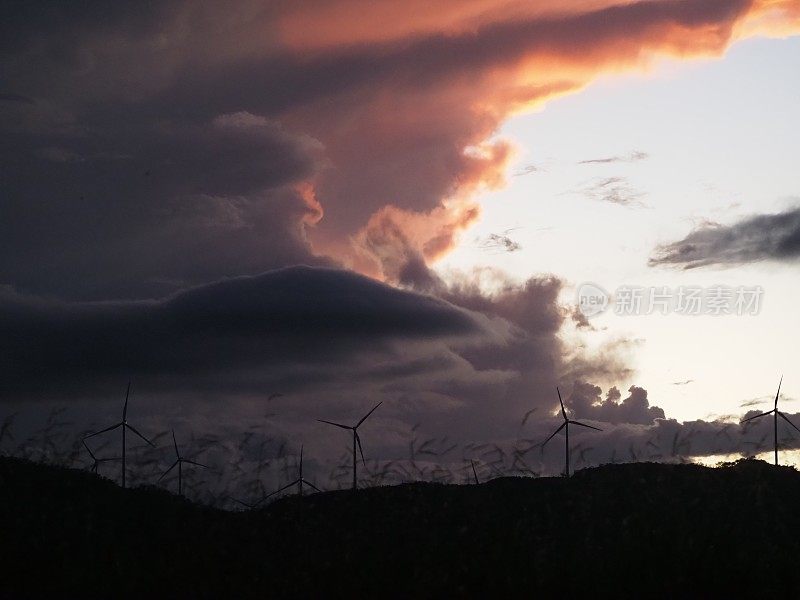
(267, 214)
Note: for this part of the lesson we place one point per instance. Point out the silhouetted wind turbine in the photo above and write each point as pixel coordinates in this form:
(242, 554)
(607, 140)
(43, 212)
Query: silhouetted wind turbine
(299, 482)
(246, 504)
(565, 426)
(474, 473)
(95, 461)
(775, 414)
(125, 426)
(356, 440)
(179, 463)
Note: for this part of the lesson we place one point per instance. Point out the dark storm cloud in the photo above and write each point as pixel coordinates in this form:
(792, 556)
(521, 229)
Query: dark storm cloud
(216, 334)
(128, 88)
(526, 367)
(16, 98)
(161, 146)
(755, 238)
(425, 61)
(139, 208)
(672, 441)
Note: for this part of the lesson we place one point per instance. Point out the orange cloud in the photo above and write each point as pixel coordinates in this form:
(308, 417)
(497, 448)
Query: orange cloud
(313, 25)
(427, 86)
(393, 237)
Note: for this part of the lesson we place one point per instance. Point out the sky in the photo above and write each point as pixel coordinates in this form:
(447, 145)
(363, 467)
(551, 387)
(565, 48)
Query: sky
(275, 212)
(719, 136)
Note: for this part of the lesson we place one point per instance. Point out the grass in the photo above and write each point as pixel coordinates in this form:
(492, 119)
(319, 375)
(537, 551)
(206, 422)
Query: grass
(637, 530)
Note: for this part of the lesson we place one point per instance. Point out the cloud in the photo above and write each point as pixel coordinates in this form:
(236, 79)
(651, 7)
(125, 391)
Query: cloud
(634, 156)
(473, 368)
(145, 211)
(16, 98)
(365, 105)
(499, 242)
(615, 190)
(462, 361)
(162, 161)
(527, 170)
(755, 238)
(580, 319)
(587, 403)
(229, 333)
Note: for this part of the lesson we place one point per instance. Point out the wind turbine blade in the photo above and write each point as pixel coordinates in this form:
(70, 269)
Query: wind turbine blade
(164, 474)
(286, 487)
(335, 424)
(112, 428)
(133, 429)
(125, 406)
(779, 392)
(561, 402)
(309, 484)
(552, 435)
(785, 418)
(242, 502)
(197, 464)
(360, 449)
(301, 457)
(175, 443)
(756, 416)
(89, 450)
(585, 425)
(364, 418)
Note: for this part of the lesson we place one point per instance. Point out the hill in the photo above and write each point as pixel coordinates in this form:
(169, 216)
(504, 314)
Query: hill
(635, 529)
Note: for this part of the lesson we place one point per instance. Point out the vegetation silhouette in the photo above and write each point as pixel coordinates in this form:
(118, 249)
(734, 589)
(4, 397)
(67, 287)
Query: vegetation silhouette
(643, 530)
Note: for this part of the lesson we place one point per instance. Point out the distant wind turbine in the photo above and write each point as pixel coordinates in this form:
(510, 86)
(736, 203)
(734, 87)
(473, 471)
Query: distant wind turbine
(356, 440)
(125, 426)
(299, 482)
(96, 461)
(775, 414)
(179, 463)
(565, 426)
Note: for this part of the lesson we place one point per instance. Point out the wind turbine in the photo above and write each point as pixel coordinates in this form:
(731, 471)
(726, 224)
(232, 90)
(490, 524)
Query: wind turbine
(179, 463)
(565, 426)
(95, 461)
(125, 426)
(298, 482)
(474, 472)
(356, 440)
(775, 414)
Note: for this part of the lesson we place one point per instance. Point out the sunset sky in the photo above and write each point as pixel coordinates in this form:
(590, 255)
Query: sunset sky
(345, 202)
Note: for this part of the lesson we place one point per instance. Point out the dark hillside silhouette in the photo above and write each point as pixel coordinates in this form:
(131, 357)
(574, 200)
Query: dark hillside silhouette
(636, 529)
